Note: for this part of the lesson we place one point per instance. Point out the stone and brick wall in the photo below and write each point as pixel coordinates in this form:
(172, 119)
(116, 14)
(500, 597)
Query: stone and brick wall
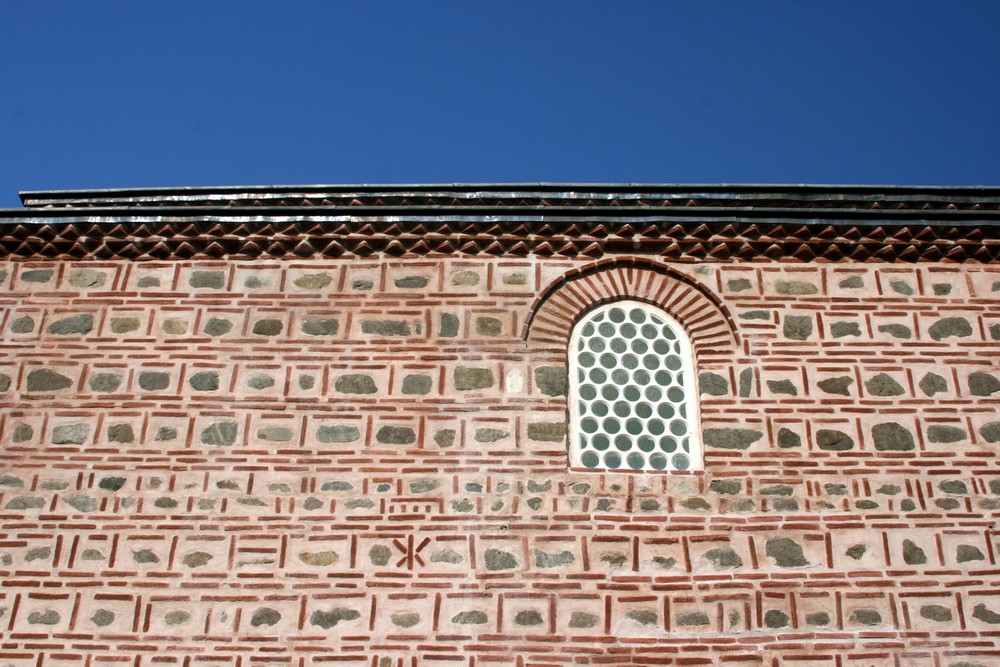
(363, 461)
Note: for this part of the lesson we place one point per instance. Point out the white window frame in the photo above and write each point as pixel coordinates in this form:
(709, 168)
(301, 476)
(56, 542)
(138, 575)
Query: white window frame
(690, 388)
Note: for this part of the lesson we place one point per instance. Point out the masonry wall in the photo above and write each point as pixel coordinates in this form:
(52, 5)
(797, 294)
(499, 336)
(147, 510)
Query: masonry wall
(364, 462)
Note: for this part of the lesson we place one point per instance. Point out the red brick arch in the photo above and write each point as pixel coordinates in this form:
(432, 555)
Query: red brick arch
(557, 309)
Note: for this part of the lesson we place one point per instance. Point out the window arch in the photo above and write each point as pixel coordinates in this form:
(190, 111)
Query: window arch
(633, 400)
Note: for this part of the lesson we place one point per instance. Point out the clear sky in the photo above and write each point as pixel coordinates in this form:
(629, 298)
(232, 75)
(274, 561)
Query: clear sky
(134, 94)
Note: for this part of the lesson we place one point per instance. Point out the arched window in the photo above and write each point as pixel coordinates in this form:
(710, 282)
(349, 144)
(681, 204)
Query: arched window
(633, 402)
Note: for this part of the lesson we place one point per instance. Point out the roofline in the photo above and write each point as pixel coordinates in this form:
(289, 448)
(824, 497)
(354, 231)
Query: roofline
(479, 213)
(674, 222)
(980, 192)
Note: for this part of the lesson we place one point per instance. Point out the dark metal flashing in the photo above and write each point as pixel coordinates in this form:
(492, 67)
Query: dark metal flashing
(616, 211)
(545, 194)
(675, 222)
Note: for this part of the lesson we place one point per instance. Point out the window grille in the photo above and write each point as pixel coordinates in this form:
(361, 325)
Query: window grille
(633, 402)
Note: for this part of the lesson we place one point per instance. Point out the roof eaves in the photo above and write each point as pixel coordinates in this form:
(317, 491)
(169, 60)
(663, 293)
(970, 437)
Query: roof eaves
(513, 191)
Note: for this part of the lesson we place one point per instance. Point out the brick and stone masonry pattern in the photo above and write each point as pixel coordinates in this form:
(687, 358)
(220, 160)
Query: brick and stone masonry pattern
(364, 462)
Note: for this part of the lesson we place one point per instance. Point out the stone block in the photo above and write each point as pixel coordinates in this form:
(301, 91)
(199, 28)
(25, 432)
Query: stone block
(411, 282)
(786, 552)
(731, 438)
(932, 383)
(913, 554)
(840, 386)
(490, 327)
(472, 379)
(357, 383)
(217, 326)
(445, 437)
(417, 384)
(724, 558)
(385, 327)
(337, 433)
(775, 618)
(122, 433)
(798, 327)
(901, 287)
(950, 327)
(396, 435)
(528, 617)
(313, 281)
(583, 620)
(497, 559)
(43, 379)
(275, 434)
(795, 288)
(515, 279)
(990, 432)
(935, 612)
(844, 329)
(470, 617)
(327, 619)
(324, 326)
(726, 486)
(204, 381)
(833, 440)
(782, 387)
(264, 616)
(788, 439)
(547, 431)
(22, 325)
(70, 434)
(684, 619)
(22, 433)
(892, 437)
(883, 385)
(868, 617)
(983, 384)
(75, 324)
(713, 384)
(260, 381)
(36, 276)
(941, 433)
(268, 327)
(175, 326)
(123, 325)
(153, 381)
(544, 559)
(551, 380)
(220, 434)
(207, 279)
(900, 331)
(465, 278)
(488, 435)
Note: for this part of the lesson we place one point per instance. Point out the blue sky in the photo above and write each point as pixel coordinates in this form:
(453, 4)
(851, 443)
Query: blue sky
(134, 94)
